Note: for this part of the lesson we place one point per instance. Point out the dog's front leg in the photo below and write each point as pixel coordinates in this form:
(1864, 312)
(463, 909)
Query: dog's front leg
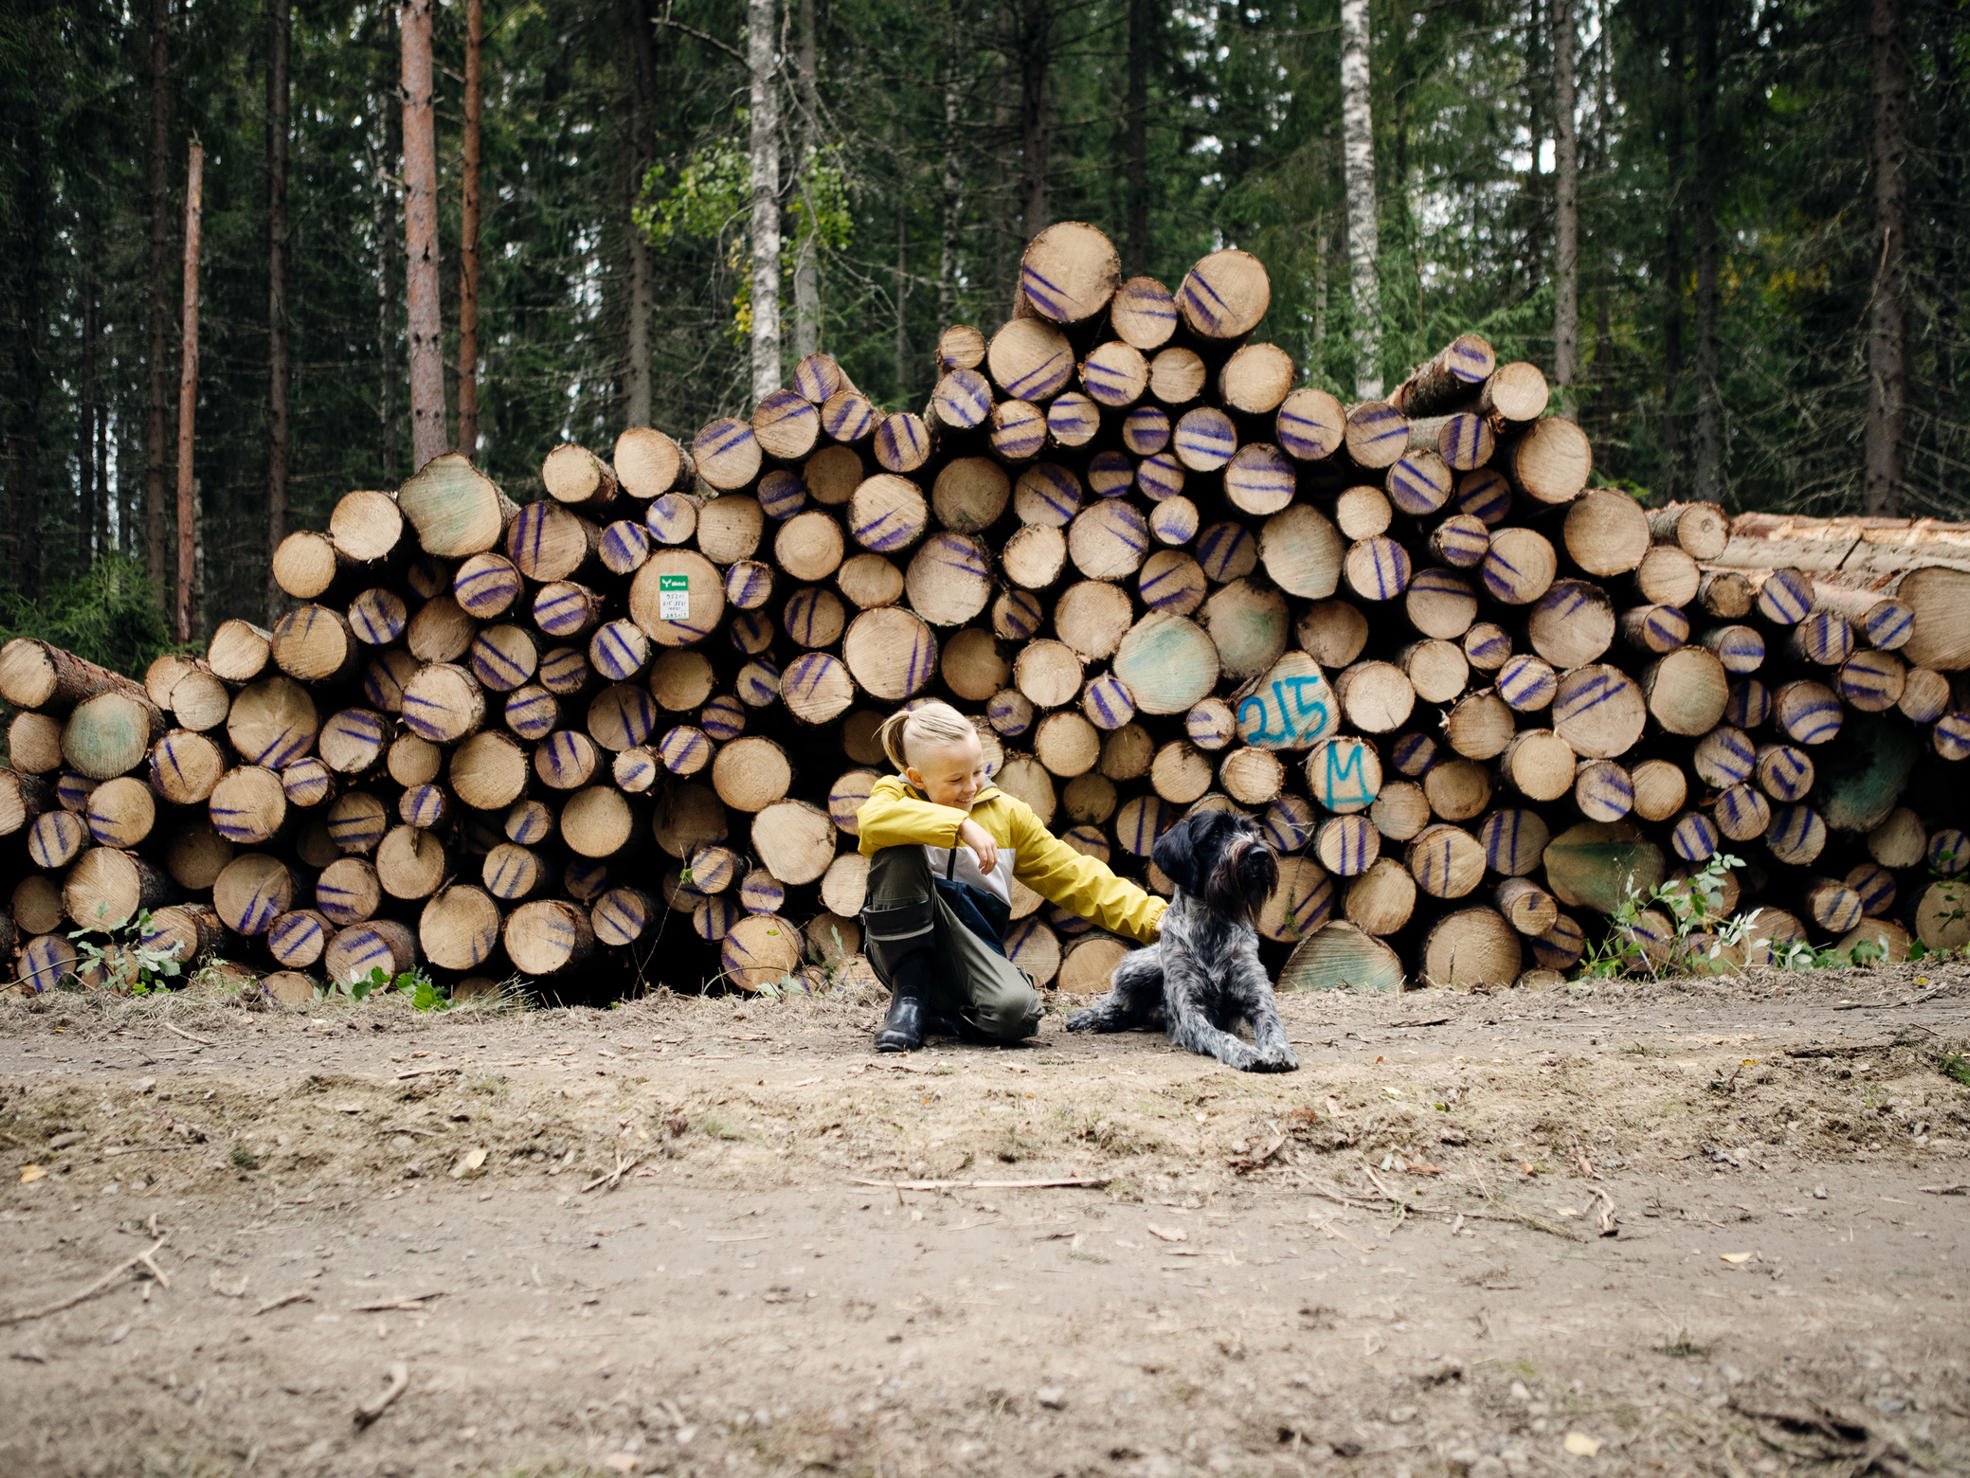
(1252, 988)
(1136, 987)
(1190, 1027)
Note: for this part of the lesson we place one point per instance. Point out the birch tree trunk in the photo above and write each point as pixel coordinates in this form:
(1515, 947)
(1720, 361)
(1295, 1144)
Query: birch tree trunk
(1887, 329)
(766, 376)
(421, 302)
(640, 26)
(188, 400)
(1566, 202)
(807, 250)
(468, 233)
(952, 201)
(1358, 165)
(157, 362)
(279, 31)
(1709, 470)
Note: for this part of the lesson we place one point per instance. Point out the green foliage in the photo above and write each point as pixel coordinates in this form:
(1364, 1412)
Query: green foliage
(128, 961)
(1695, 905)
(109, 614)
(425, 994)
(711, 201)
(1956, 1067)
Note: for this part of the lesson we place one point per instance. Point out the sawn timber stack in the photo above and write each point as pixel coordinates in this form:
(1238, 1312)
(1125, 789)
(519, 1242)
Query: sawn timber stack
(1475, 700)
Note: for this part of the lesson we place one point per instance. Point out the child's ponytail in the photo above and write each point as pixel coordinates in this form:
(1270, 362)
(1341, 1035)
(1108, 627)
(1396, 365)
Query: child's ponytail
(915, 729)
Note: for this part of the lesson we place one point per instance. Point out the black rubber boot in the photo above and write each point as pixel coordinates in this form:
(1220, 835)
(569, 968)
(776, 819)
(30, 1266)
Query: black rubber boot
(902, 1028)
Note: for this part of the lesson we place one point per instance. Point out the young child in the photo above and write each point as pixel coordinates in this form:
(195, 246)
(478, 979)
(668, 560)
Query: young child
(944, 847)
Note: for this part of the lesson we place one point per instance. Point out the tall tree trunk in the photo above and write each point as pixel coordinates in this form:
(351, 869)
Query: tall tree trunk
(389, 258)
(1887, 329)
(1953, 220)
(1709, 404)
(26, 241)
(88, 420)
(640, 25)
(1141, 18)
(102, 500)
(278, 34)
(1358, 165)
(902, 345)
(1538, 107)
(157, 366)
(765, 165)
(188, 401)
(421, 292)
(1672, 254)
(807, 246)
(1319, 280)
(468, 234)
(1566, 202)
(1034, 60)
(952, 198)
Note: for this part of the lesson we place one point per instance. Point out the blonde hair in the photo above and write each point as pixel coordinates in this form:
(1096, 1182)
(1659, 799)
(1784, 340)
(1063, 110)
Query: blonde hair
(925, 726)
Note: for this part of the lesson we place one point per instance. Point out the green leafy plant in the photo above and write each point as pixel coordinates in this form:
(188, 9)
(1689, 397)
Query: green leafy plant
(129, 960)
(425, 994)
(1695, 905)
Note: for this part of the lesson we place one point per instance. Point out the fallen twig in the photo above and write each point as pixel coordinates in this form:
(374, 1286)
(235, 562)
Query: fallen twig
(1945, 1190)
(1432, 1021)
(1342, 1198)
(421, 1072)
(613, 1178)
(370, 1410)
(188, 1036)
(142, 1259)
(146, 1149)
(413, 1304)
(1092, 1181)
(300, 1295)
(1886, 1005)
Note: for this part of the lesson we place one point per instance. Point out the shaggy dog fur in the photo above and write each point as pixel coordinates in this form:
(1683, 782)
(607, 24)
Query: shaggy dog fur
(1203, 976)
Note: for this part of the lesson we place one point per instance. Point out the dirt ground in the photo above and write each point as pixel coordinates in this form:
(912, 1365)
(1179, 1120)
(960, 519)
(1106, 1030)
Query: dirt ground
(1713, 1227)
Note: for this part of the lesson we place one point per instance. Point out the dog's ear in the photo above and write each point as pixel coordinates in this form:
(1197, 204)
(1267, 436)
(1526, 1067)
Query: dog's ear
(1188, 851)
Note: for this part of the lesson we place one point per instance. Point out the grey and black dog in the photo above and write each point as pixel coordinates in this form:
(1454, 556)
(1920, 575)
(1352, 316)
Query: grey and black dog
(1203, 977)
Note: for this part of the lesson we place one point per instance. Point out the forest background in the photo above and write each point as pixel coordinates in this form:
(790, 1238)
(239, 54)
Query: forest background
(1727, 227)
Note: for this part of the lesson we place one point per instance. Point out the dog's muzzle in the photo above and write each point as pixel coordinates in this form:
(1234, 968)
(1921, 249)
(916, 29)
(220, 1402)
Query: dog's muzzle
(1244, 878)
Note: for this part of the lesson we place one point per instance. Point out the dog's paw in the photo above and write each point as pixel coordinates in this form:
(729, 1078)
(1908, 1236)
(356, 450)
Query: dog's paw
(1278, 1060)
(1083, 1020)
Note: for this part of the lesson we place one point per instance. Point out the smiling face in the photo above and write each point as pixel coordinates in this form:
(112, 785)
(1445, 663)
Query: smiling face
(950, 774)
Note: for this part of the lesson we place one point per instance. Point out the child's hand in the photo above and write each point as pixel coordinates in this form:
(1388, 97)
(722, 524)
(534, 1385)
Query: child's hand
(980, 841)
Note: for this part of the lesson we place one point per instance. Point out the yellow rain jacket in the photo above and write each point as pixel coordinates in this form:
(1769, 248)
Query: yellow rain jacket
(896, 815)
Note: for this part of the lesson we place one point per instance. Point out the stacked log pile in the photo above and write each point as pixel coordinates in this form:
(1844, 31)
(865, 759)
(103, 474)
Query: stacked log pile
(1475, 701)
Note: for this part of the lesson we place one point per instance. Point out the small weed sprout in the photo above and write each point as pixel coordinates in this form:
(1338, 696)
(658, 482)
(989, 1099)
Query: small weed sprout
(425, 993)
(131, 961)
